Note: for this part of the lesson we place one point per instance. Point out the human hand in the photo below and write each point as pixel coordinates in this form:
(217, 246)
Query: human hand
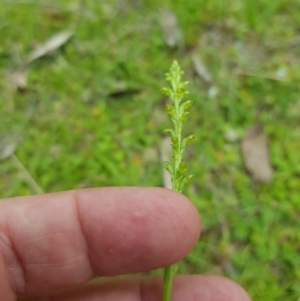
(51, 245)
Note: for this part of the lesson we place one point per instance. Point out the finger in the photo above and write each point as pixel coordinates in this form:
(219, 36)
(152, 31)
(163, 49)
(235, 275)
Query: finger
(58, 240)
(187, 288)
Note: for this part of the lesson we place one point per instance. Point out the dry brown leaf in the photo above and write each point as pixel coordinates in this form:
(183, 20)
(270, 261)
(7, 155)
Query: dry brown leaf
(256, 154)
(159, 115)
(231, 135)
(17, 79)
(201, 69)
(150, 155)
(172, 32)
(52, 44)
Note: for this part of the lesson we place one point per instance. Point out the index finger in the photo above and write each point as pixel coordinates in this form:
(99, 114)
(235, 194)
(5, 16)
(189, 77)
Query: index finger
(53, 241)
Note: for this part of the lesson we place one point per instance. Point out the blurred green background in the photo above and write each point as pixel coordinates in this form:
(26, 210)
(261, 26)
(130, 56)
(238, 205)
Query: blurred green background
(91, 113)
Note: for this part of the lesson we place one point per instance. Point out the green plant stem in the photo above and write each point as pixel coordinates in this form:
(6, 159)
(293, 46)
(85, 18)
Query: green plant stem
(168, 279)
(178, 114)
(178, 153)
(168, 271)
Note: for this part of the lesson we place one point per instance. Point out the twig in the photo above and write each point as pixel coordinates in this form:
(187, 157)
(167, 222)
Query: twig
(30, 180)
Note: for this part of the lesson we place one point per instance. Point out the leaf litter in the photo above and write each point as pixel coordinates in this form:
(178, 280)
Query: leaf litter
(18, 77)
(255, 152)
(171, 32)
(201, 69)
(49, 46)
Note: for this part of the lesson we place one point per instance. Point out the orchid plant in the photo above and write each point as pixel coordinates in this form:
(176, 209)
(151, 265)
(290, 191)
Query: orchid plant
(178, 113)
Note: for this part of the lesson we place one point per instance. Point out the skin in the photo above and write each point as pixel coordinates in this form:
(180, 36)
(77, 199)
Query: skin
(53, 245)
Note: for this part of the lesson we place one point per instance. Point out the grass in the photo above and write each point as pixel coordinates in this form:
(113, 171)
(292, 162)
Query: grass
(98, 115)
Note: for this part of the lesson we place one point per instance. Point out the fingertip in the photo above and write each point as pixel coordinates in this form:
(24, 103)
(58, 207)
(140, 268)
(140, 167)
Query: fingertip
(185, 211)
(76, 235)
(145, 228)
(209, 287)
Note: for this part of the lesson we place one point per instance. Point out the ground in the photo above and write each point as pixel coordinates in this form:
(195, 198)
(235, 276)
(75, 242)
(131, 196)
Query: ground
(91, 114)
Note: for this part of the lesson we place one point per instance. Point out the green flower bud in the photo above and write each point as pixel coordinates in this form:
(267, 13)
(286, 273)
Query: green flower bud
(179, 91)
(174, 141)
(166, 91)
(184, 116)
(188, 140)
(187, 104)
(170, 110)
(169, 132)
(168, 77)
(184, 86)
(169, 167)
(182, 167)
(187, 180)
